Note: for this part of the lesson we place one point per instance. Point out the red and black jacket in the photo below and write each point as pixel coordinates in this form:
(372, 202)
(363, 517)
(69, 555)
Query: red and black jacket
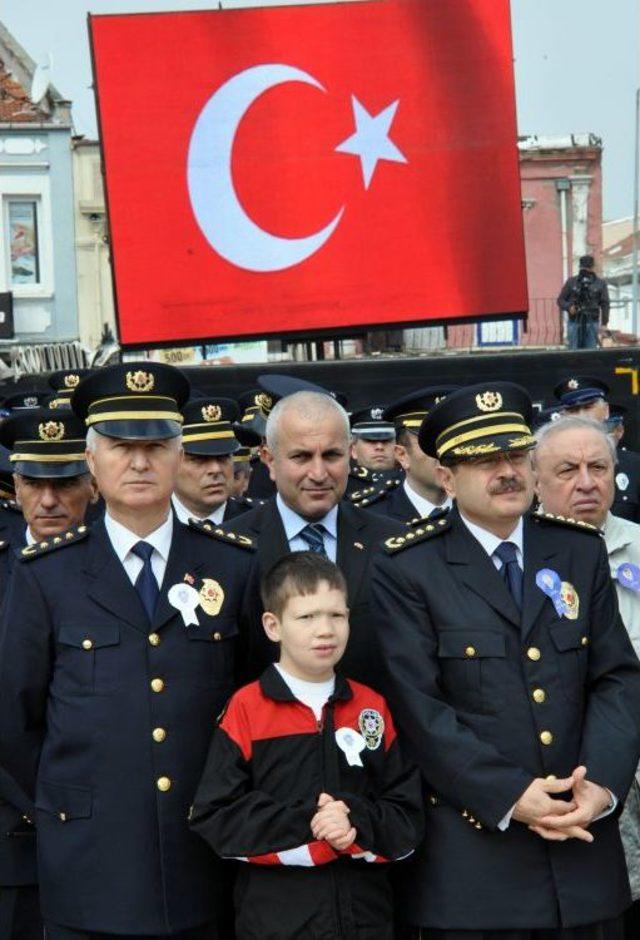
(268, 763)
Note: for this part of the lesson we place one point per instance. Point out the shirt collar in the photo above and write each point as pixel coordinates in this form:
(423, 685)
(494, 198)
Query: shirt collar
(185, 514)
(124, 539)
(490, 542)
(294, 524)
(424, 506)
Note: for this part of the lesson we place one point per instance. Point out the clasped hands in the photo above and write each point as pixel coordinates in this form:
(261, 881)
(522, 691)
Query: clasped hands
(331, 823)
(558, 820)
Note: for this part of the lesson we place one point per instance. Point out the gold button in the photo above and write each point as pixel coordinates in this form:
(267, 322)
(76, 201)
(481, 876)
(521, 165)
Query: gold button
(546, 737)
(534, 653)
(585, 640)
(433, 799)
(154, 639)
(470, 651)
(159, 734)
(539, 696)
(87, 644)
(163, 784)
(217, 636)
(551, 777)
(157, 685)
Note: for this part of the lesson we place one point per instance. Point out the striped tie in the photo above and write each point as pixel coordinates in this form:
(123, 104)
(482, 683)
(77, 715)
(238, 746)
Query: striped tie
(313, 535)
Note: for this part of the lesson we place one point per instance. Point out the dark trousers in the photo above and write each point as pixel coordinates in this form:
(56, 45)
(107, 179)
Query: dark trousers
(602, 930)
(20, 914)
(56, 932)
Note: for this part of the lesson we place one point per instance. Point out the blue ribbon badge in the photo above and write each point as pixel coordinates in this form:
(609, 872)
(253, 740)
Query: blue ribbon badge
(628, 576)
(550, 584)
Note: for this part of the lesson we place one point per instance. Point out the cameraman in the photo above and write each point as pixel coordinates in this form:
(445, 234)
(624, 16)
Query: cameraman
(585, 298)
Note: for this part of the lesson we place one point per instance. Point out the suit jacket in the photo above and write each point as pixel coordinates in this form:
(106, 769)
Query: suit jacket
(473, 685)
(359, 535)
(105, 721)
(395, 504)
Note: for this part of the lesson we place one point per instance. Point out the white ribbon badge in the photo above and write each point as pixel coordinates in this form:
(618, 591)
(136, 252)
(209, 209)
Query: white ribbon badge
(185, 599)
(352, 743)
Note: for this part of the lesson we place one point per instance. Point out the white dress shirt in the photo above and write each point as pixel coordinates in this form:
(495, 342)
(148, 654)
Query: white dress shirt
(124, 539)
(423, 506)
(294, 524)
(185, 514)
(490, 542)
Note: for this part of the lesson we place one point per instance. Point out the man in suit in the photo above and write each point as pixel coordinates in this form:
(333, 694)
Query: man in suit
(420, 495)
(205, 479)
(307, 452)
(117, 651)
(515, 688)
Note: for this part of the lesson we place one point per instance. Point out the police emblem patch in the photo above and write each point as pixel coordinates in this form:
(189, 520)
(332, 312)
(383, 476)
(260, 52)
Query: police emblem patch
(489, 401)
(570, 600)
(211, 596)
(376, 414)
(264, 401)
(70, 381)
(371, 724)
(51, 431)
(211, 413)
(573, 384)
(140, 381)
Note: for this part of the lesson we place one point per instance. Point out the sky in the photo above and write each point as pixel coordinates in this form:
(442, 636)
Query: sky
(577, 67)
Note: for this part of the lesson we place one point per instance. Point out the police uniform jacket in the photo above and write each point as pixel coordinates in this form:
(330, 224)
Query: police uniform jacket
(394, 503)
(487, 699)
(627, 478)
(359, 534)
(269, 761)
(105, 721)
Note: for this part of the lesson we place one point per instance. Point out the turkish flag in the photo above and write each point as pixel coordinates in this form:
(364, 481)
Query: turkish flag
(291, 170)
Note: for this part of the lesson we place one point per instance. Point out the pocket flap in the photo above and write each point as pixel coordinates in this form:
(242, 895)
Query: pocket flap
(89, 637)
(64, 800)
(567, 636)
(213, 631)
(471, 644)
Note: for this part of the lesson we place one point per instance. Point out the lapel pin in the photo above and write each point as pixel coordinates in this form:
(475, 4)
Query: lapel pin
(358, 545)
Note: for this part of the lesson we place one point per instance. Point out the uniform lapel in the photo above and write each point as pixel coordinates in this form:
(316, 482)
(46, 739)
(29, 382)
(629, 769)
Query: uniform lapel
(353, 554)
(540, 547)
(474, 567)
(180, 562)
(109, 584)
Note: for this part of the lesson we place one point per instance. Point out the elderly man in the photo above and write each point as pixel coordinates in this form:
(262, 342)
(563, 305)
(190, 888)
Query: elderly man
(516, 690)
(117, 650)
(575, 467)
(307, 453)
(205, 481)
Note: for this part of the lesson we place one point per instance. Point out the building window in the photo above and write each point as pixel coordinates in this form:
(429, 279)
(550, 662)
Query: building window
(24, 249)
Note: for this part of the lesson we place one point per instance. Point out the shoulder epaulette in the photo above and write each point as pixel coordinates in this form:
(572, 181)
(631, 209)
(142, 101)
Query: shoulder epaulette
(539, 516)
(373, 495)
(247, 501)
(422, 520)
(10, 505)
(70, 537)
(359, 473)
(421, 534)
(357, 495)
(4, 545)
(223, 535)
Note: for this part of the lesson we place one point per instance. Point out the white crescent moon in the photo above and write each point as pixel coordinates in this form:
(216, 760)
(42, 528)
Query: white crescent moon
(223, 221)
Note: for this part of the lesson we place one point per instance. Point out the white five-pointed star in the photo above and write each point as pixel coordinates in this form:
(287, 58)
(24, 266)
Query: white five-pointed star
(371, 141)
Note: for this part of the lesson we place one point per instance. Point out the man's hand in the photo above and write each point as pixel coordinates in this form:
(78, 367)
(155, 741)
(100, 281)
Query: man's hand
(537, 802)
(331, 823)
(589, 799)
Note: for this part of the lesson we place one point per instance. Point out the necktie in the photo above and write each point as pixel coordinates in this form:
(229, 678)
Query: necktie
(146, 584)
(313, 535)
(511, 572)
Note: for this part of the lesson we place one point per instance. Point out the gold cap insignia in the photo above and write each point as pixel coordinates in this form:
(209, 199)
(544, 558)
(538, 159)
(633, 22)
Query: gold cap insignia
(211, 413)
(489, 401)
(264, 401)
(140, 381)
(51, 431)
(211, 596)
(70, 381)
(573, 383)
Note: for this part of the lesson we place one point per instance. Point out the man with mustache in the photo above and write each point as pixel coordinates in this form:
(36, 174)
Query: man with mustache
(307, 452)
(517, 692)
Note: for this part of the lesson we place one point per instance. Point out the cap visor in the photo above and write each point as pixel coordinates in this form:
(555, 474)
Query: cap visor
(43, 470)
(140, 430)
(211, 448)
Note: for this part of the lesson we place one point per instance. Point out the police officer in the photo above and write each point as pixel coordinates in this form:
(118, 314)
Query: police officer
(117, 650)
(373, 444)
(242, 471)
(516, 689)
(587, 396)
(205, 478)
(420, 496)
(63, 384)
(250, 430)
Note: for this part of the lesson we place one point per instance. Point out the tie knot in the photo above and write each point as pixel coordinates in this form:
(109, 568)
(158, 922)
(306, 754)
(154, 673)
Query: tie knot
(313, 535)
(143, 550)
(506, 552)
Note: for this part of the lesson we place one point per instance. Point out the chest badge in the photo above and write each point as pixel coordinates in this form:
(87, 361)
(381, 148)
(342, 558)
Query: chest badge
(622, 481)
(570, 600)
(352, 745)
(211, 596)
(185, 599)
(562, 594)
(371, 724)
(628, 576)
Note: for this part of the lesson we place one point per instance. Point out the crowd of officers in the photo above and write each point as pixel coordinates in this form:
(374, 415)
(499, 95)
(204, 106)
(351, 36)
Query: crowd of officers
(491, 556)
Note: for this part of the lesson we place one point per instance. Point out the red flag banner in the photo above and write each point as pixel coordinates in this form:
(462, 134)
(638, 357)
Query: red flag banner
(291, 170)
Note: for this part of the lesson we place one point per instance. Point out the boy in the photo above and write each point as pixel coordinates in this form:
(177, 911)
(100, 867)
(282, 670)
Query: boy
(305, 781)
